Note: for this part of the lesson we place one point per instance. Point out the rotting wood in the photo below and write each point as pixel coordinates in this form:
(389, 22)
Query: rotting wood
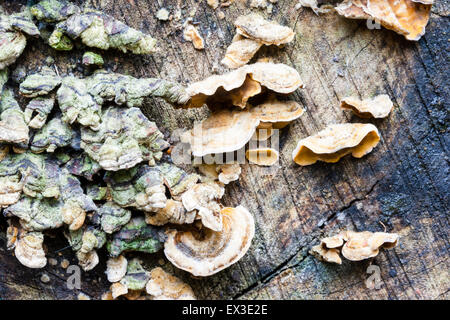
(403, 183)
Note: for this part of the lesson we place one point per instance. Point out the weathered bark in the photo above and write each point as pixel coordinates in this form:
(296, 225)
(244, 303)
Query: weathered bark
(403, 183)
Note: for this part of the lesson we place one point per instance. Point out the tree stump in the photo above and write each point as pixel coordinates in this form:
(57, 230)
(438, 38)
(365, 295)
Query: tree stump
(402, 184)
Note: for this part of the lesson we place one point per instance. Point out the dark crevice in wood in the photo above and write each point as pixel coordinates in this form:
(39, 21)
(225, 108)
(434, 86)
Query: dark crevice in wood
(351, 203)
(275, 272)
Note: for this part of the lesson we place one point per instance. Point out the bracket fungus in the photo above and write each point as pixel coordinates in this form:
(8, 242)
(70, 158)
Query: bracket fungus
(377, 107)
(12, 44)
(164, 286)
(13, 128)
(354, 246)
(29, 250)
(54, 134)
(91, 58)
(176, 179)
(76, 104)
(37, 176)
(114, 150)
(276, 111)
(102, 31)
(12, 38)
(254, 26)
(240, 52)
(40, 107)
(88, 260)
(83, 166)
(76, 203)
(86, 239)
(328, 249)
(40, 83)
(80, 100)
(209, 172)
(239, 85)
(113, 217)
(140, 187)
(73, 214)
(274, 114)
(363, 245)
(322, 253)
(228, 172)
(39, 167)
(136, 277)
(116, 268)
(207, 252)
(406, 17)
(136, 235)
(117, 289)
(39, 188)
(13, 233)
(229, 130)
(174, 212)
(253, 31)
(53, 10)
(51, 195)
(107, 86)
(84, 242)
(224, 131)
(10, 189)
(336, 141)
(203, 198)
(262, 156)
(37, 214)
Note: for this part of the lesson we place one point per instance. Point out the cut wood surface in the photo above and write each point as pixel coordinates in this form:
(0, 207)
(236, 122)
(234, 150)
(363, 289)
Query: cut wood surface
(403, 184)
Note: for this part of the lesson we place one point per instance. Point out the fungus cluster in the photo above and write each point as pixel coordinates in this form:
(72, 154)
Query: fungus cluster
(354, 246)
(95, 29)
(237, 110)
(83, 158)
(406, 17)
(131, 280)
(339, 140)
(376, 107)
(13, 28)
(252, 32)
(81, 155)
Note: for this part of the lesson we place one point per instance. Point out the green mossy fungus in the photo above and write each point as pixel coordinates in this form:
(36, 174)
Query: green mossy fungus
(136, 235)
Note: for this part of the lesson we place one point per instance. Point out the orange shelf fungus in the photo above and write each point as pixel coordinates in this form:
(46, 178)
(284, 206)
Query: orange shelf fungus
(336, 141)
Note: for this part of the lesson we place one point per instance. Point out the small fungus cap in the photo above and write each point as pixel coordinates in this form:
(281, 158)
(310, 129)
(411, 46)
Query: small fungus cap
(364, 245)
(336, 141)
(164, 286)
(262, 156)
(406, 17)
(29, 250)
(377, 107)
(116, 268)
(240, 52)
(327, 255)
(277, 77)
(254, 26)
(203, 197)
